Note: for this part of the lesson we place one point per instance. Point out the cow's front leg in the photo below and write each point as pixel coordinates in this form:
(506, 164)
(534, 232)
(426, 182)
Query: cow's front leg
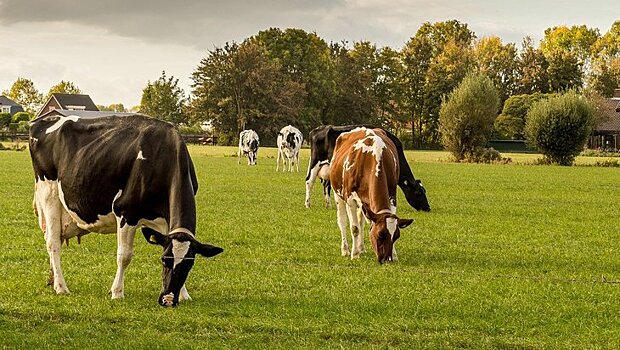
(124, 252)
(361, 219)
(342, 224)
(183, 294)
(278, 159)
(53, 244)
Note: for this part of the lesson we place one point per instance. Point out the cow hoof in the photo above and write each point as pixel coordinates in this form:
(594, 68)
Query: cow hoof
(117, 295)
(345, 252)
(167, 300)
(355, 256)
(61, 290)
(307, 204)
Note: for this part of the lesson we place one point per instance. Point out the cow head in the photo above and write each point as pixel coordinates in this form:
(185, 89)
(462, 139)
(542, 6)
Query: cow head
(291, 140)
(180, 249)
(385, 230)
(415, 194)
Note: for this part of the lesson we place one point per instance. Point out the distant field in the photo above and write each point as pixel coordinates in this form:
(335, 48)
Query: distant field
(511, 256)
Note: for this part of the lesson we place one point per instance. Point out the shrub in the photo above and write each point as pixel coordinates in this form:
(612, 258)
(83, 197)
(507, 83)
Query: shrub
(5, 120)
(507, 127)
(20, 117)
(466, 117)
(511, 122)
(560, 126)
(190, 129)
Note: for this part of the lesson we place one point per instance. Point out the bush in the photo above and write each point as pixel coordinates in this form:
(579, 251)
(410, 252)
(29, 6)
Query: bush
(466, 117)
(511, 122)
(507, 127)
(5, 120)
(190, 129)
(20, 117)
(559, 127)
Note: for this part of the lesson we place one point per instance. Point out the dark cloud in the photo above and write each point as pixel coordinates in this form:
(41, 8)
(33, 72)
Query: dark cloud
(197, 23)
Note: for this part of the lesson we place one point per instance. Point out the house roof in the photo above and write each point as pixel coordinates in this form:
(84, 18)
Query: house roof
(7, 101)
(609, 119)
(68, 100)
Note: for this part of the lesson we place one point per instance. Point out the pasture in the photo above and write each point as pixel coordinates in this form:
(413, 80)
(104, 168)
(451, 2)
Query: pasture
(511, 256)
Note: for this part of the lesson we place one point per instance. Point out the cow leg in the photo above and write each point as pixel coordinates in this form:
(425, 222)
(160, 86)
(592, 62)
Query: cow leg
(239, 156)
(361, 219)
(327, 186)
(342, 224)
(124, 252)
(50, 211)
(278, 159)
(297, 160)
(309, 182)
(183, 294)
(357, 235)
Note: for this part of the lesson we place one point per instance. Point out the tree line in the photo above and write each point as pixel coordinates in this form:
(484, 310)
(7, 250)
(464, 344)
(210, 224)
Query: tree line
(290, 76)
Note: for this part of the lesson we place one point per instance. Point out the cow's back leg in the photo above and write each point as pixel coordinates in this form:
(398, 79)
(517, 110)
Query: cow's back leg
(361, 219)
(341, 207)
(312, 173)
(50, 210)
(124, 252)
(357, 235)
(278, 159)
(327, 186)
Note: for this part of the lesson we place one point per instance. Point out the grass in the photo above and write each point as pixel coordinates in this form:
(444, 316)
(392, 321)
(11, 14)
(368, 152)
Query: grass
(512, 256)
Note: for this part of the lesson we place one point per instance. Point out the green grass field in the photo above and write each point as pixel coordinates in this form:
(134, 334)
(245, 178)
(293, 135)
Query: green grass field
(512, 256)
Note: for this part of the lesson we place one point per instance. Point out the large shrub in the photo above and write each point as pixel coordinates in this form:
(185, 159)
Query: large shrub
(559, 127)
(20, 117)
(466, 117)
(510, 123)
(5, 120)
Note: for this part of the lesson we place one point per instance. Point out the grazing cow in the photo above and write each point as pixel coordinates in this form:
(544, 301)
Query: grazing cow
(289, 144)
(115, 174)
(364, 173)
(322, 143)
(248, 145)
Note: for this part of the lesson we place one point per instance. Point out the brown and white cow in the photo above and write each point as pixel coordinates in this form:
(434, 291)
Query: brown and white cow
(364, 174)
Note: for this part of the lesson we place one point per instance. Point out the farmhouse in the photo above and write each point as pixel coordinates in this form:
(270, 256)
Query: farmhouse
(9, 106)
(70, 102)
(606, 133)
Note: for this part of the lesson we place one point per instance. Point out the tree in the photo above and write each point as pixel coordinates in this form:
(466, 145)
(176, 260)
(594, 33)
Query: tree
(240, 86)
(26, 94)
(115, 107)
(64, 87)
(605, 74)
(435, 60)
(498, 62)
(511, 122)
(532, 75)
(559, 126)
(163, 99)
(466, 117)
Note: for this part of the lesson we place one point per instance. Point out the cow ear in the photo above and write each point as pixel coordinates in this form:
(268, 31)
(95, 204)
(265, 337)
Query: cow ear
(207, 250)
(154, 237)
(402, 223)
(369, 214)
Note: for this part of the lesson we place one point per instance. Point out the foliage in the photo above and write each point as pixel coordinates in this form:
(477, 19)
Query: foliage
(64, 87)
(21, 116)
(26, 94)
(467, 115)
(163, 99)
(5, 120)
(498, 62)
(532, 75)
(435, 61)
(190, 129)
(560, 126)
(239, 87)
(115, 107)
(510, 123)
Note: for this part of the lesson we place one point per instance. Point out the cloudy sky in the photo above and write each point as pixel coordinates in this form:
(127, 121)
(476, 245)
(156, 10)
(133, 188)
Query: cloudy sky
(111, 49)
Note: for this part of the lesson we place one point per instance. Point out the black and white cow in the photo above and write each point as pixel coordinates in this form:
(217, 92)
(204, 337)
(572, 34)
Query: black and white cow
(248, 145)
(289, 144)
(116, 174)
(322, 143)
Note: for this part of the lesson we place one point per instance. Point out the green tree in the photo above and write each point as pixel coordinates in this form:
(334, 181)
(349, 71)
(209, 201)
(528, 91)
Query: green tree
(64, 87)
(564, 71)
(559, 126)
(511, 122)
(498, 62)
(467, 115)
(605, 74)
(164, 99)
(305, 58)
(434, 62)
(115, 107)
(239, 87)
(21, 117)
(532, 75)
(26, 94)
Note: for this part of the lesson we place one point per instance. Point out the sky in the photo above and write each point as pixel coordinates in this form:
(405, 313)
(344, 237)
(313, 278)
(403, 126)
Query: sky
(111, 49)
